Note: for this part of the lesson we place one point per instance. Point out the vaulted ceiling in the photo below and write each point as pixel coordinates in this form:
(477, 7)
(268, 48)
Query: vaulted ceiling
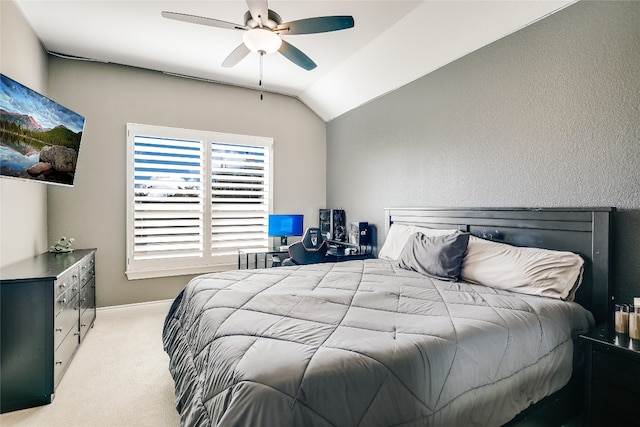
(391, 44)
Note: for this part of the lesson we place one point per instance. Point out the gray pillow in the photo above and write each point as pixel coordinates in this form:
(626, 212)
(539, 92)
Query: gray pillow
(435, 256)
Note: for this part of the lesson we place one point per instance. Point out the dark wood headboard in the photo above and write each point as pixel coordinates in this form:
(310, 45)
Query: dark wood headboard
(585, 231)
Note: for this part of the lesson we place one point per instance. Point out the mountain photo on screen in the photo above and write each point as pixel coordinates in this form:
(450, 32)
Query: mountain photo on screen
(39, 138)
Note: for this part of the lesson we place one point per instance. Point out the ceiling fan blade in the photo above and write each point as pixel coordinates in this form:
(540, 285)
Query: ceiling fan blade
(320, 24)
(202, 20)
(236, 56)
(296, 56)
(259, 10)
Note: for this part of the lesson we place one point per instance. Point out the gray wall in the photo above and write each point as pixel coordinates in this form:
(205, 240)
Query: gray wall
(23, 218)
(548, 116)
(93, 211)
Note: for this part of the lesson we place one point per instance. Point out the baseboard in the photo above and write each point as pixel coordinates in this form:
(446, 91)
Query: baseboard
(133, 305)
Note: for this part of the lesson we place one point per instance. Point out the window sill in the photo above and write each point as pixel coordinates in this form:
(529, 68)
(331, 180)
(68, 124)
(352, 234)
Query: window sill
(182, 271)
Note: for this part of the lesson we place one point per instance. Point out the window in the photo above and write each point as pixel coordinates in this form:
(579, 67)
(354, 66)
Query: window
(193, 199)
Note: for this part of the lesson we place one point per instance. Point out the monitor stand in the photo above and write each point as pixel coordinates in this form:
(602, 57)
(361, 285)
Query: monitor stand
(283, 243)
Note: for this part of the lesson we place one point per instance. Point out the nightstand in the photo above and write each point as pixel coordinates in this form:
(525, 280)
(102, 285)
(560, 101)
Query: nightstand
(613, 378)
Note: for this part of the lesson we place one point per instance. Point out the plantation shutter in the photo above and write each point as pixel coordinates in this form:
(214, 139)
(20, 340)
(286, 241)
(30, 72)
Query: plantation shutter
(169, 198)
(193, 199)
(239, 197)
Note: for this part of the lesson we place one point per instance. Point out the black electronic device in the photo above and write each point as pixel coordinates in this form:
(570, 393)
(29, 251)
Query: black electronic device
(339, 225)
(324, 223)
(359, 233)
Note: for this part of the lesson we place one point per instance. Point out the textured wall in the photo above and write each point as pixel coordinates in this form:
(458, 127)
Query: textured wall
(23, 214)
(548, 116)
(93, 211)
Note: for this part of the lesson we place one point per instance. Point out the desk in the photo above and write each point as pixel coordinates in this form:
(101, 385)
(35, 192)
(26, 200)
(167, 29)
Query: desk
(275, 254)
(339, 255)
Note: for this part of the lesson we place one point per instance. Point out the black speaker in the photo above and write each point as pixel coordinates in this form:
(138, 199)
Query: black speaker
(339, 225)
(359, 233)
(324, 222)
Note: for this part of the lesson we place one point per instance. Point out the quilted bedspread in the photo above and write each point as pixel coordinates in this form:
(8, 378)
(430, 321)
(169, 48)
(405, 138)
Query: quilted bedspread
(362, 343)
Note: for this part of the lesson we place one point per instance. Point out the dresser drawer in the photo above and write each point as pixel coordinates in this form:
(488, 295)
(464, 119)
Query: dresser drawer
(616, 370)
(614, 387)
(86, 320)
(65, 282)
(87, 270)
(63, 300)
(616, 401)
(63, 355)
(88, 295)
(87, 306)
(599, 418)
(66, 321)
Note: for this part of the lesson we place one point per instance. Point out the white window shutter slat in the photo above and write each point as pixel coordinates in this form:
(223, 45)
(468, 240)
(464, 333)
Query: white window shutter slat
(169, 197)
(239, 182)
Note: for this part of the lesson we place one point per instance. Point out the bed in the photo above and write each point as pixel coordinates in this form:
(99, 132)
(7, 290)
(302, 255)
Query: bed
(370, 343)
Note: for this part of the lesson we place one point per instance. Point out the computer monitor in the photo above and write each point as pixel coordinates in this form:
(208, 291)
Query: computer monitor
(285, 225)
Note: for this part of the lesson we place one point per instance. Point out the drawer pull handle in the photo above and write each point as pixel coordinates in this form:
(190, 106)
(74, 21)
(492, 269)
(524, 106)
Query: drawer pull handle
(83, 325)
(75, 276)
(59, 362)
(62, 301)
(62, 285)
(58, 329)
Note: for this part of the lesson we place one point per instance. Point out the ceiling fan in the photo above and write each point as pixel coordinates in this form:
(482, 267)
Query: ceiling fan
(263, 28)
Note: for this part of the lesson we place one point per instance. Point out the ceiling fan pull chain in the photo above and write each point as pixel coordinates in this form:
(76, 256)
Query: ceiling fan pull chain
(262, 52)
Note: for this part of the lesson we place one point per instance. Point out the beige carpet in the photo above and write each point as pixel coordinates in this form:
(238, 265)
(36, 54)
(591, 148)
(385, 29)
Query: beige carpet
(118, 377)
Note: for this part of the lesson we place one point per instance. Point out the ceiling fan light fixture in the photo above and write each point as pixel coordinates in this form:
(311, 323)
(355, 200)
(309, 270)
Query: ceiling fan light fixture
(259, 40)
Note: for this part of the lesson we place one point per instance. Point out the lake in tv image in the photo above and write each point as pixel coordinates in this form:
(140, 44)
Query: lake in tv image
(39, 138)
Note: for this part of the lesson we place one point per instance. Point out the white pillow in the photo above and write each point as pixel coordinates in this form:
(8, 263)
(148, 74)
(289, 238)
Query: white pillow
(525, 270)
(398, 236)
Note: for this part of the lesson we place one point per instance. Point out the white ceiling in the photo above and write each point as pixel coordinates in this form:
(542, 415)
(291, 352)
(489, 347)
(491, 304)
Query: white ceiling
(392, 43)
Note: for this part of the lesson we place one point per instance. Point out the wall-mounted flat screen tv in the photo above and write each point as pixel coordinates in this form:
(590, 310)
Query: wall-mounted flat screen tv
(39, 138)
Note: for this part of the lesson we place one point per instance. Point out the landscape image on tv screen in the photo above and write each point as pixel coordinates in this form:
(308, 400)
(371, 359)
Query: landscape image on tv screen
(39, 138)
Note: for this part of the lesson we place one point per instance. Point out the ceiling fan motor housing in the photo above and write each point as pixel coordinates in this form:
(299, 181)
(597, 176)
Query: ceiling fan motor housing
(272, 21)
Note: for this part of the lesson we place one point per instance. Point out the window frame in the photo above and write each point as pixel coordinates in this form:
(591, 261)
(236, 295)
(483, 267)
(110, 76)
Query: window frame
(143, 269)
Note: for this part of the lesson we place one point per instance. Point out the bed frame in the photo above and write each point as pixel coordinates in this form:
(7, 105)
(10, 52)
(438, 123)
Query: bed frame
(585, 231)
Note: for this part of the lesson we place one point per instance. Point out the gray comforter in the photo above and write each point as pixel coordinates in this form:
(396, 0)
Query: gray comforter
(362, 343)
